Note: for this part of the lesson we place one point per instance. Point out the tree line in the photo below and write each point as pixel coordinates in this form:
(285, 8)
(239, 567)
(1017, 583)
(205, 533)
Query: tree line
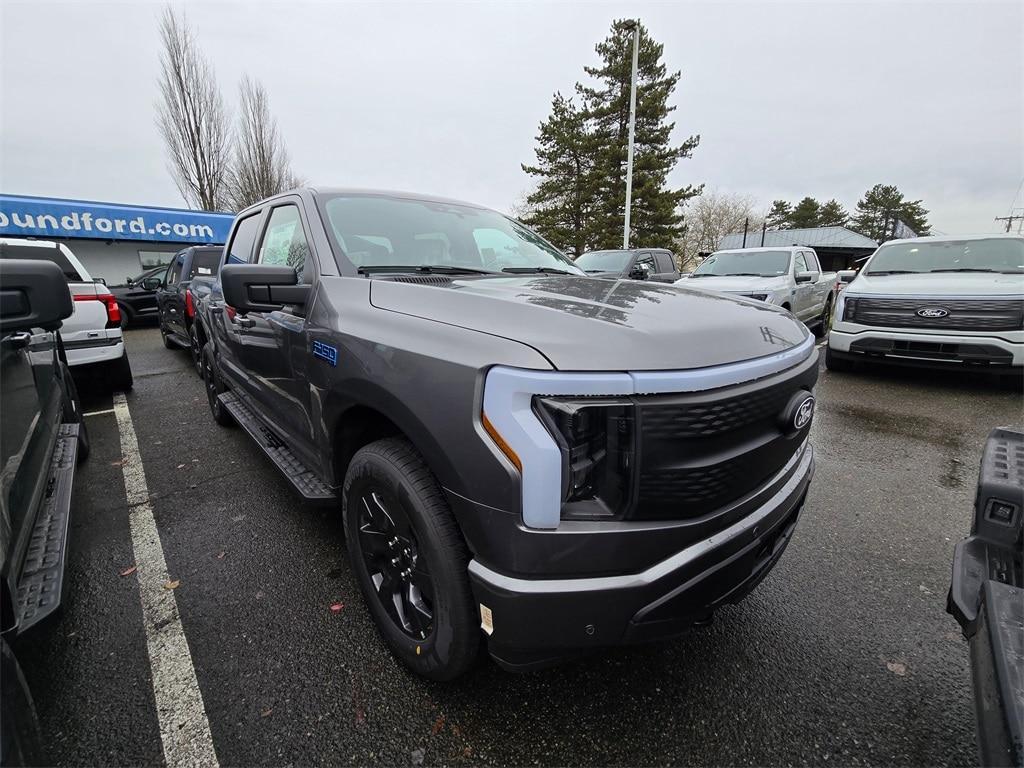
(879, 214)
(579, 199)
(216, 165)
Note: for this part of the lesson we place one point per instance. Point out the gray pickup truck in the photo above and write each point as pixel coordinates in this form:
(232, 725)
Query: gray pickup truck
(656, 264)
(790, 278)
(558, 462)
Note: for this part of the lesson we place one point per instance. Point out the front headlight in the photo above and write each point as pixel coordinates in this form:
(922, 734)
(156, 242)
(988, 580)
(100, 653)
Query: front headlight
(597, 441)
(837, 314)
(761, 296)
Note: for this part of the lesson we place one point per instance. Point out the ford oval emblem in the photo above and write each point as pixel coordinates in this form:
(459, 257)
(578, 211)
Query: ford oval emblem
(803, 412)
(932, 312)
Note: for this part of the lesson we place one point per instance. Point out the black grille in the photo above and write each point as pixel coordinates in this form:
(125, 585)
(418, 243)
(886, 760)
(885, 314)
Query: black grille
(701, 452)
(961, 314)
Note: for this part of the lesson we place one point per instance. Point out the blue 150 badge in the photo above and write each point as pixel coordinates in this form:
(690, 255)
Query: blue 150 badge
(325, 352)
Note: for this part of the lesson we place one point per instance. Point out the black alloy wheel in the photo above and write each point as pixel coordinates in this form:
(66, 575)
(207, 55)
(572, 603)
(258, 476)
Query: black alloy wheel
(410, 560)
(196, 350)
(214, 387)
(392, 557)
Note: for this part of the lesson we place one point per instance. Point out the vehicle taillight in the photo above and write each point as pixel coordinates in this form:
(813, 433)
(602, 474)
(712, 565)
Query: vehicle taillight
(190, 308)
(113, 310)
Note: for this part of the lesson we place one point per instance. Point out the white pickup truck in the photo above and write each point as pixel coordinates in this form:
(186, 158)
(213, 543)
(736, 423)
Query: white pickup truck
(935, 302)
(790, 278)
(92, 335)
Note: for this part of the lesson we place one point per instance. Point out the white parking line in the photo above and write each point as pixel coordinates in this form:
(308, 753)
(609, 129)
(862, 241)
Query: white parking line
(821, 344)
(184, 729)
(98, 413)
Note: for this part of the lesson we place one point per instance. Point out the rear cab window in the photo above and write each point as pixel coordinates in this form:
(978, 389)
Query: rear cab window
(204, 263)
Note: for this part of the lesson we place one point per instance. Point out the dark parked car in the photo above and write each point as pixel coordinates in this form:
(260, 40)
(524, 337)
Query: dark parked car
(517, 450)
(42, 437)
(137, 302)
(987, 599)
(638, 264)
(174, 302)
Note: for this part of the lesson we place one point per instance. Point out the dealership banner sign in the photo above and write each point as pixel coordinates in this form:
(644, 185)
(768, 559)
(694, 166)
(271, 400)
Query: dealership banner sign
(40, 217)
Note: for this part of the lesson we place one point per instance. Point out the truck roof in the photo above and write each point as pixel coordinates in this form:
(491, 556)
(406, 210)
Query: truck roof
(956, 238)
(766, 248)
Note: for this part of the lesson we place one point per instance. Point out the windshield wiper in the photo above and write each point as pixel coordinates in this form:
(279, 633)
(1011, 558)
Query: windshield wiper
(425, 269)
(743, 274)
(893, 272)
(964, 269)
(536, 270)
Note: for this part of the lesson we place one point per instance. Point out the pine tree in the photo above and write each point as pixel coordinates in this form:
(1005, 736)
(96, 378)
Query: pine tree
(561, 206)
(778, 215)
(805, 214)
(655, 215)
(882, 207)
(833, 214)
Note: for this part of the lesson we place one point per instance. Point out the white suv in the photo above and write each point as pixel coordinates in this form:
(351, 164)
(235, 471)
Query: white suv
(92, 335)
(935, 301)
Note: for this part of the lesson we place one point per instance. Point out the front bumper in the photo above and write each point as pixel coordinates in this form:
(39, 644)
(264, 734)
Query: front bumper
(929, 349)
(536, 621)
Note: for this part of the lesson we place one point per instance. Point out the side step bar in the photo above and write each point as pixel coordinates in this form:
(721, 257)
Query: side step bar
(306, 482)
(42, 574)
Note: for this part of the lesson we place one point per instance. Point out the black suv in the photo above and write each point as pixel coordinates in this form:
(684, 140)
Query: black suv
(42, 437)
(557, 461)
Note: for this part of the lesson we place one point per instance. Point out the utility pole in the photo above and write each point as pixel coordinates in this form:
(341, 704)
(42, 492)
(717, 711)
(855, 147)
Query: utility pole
(1010, 219)
(746, 224)
(632, 128)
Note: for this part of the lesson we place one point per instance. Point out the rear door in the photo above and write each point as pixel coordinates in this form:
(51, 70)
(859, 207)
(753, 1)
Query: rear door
(665, 266)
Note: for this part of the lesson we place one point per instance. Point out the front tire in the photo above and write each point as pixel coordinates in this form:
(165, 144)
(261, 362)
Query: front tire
(837, 364)
(119, 374)
(825, 323)
(214, 387)
(410, 560)
(168, 344)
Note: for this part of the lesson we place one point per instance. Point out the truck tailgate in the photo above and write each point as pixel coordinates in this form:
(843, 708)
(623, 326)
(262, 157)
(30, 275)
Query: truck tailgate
(89, 319)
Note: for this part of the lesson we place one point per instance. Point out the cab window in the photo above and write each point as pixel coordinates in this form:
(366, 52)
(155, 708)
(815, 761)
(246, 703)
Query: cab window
(800, 263)
(284, 242)
(240, 249)
(174, 271)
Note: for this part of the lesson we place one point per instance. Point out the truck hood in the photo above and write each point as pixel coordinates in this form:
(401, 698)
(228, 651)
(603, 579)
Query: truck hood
(939, 284)
(588, 324)
(737, 283)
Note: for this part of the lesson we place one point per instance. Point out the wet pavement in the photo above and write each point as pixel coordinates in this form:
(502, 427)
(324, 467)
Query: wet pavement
(843, 655)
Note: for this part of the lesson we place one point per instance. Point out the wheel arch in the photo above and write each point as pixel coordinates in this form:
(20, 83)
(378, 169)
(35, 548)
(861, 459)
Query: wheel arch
(370, 414)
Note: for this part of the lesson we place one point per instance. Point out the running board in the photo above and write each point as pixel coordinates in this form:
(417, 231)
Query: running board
(42, 575)
(306, 482)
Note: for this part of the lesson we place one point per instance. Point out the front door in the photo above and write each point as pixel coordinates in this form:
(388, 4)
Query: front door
(276, 348)
(167, 298)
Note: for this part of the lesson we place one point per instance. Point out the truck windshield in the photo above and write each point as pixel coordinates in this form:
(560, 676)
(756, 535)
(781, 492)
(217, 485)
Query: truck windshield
(753, 263)
(394, 233)
(997, 254)
(603, 261)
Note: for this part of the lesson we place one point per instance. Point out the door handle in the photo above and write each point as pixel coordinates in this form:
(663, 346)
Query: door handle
(19, 339)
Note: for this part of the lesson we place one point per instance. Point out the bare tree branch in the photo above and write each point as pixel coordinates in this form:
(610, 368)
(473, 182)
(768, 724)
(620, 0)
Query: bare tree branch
(712, 216)
(191, 117)
(260, 166)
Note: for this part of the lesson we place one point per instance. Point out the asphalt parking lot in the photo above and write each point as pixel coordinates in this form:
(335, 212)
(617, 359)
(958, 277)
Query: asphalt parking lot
(843, 655)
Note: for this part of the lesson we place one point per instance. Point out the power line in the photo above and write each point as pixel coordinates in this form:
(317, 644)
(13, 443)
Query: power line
(1012, 217)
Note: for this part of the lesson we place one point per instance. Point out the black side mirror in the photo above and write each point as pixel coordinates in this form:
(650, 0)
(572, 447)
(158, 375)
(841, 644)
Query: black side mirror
(152, 283)
(33, 294)
(639, 272)
(261, 288)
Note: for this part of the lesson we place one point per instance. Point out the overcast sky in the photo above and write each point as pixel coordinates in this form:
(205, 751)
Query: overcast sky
(790, 99)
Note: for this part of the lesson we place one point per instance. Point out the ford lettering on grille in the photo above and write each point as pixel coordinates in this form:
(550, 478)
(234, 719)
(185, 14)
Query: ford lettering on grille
(932, 312)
